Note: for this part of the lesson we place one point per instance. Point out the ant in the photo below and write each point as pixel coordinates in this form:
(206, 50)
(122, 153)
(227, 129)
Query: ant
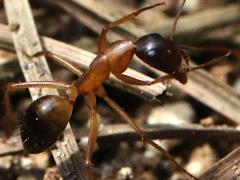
(46, 118)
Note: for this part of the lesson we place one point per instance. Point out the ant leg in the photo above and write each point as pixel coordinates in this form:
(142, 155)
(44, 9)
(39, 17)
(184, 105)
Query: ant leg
(101, 93)
(70, 89)
(212, 61)
(74, 69)
(90, 100)
(102, 38)
(133, 81)
(163, 79)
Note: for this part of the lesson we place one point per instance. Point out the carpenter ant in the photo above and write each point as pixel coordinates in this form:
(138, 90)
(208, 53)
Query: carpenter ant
(47, 116)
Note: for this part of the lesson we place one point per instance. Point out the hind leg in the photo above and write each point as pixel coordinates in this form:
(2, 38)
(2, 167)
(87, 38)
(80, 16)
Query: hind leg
(101, 93)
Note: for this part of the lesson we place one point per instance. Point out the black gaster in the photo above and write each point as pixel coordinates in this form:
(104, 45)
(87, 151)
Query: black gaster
(44, 121)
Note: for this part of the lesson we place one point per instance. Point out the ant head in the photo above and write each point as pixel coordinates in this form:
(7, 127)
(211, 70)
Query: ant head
(158, 52)
(149, 46)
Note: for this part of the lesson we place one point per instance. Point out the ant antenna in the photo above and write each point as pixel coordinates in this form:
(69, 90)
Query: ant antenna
(176, 19)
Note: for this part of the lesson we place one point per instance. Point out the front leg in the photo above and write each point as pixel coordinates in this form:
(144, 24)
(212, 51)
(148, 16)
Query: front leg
(133, 81)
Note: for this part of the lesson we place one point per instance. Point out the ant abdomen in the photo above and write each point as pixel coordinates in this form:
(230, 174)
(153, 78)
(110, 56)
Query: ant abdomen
(44, 121)
(158, 52)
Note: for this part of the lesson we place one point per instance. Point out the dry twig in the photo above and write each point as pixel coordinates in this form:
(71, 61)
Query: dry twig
(226, 168)
(90, 14)
(122, 132)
